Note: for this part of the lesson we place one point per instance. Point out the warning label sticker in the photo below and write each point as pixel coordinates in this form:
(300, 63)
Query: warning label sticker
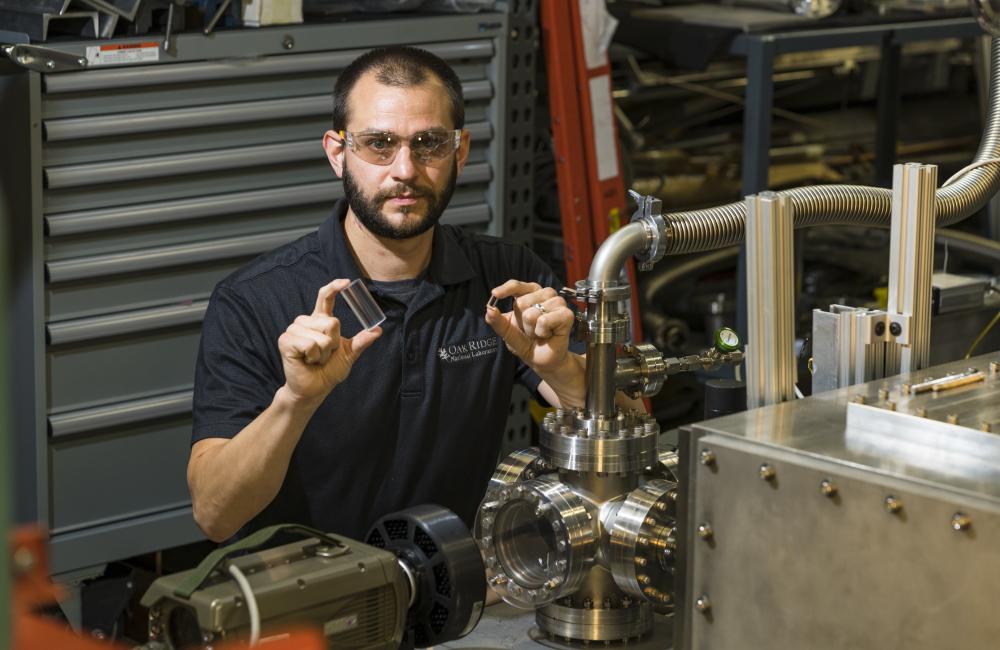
(123, 53)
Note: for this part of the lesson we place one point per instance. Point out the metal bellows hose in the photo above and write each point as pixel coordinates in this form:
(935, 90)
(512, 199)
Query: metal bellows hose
(820, 205)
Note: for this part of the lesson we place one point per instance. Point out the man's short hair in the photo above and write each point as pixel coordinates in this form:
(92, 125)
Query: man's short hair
(402, 66)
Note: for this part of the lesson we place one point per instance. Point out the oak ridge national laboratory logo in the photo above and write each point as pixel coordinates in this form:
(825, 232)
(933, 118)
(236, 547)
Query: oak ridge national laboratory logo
(474, 349)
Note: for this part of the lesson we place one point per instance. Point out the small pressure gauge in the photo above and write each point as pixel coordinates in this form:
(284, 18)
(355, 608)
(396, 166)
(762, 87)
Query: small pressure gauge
(727, 340)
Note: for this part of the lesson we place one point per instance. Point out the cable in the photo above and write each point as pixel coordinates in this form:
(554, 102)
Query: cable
(251, 601)
(798, 393)
(982, 335)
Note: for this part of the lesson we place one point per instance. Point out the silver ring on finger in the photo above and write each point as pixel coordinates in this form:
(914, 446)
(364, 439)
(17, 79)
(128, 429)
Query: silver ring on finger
(540, 308)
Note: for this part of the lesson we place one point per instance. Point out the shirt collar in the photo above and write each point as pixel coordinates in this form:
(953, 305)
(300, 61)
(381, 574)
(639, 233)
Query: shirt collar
(449, 264)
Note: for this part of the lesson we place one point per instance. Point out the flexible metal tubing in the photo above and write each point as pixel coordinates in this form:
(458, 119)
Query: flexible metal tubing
(821, 205)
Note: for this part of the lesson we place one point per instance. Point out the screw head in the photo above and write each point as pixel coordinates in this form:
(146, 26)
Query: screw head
(879, 329)
(893, 505)
(767, 473)
(705, 531)
(703, 604)
(288, 43)
(828, 488)
(707, 457)
(961, 521)
(895, 329)
(24, 560)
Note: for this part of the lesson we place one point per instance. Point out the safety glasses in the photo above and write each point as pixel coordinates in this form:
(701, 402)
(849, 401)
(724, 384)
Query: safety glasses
(381, 147)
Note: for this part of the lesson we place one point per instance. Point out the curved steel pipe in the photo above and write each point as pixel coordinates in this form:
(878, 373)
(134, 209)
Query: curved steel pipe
(615, 251)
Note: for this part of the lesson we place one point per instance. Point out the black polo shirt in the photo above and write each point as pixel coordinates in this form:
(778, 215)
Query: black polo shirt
(421, 416)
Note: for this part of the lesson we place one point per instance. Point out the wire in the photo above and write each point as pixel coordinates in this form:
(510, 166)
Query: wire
(982, 335)
(251, 601)
(968, 168)
(798, 393)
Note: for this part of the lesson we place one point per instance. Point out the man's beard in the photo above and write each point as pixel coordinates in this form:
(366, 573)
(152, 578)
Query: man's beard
(369, 210)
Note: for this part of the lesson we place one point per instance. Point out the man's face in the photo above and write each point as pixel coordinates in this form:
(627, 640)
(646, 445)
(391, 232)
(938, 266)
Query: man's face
(406, 197)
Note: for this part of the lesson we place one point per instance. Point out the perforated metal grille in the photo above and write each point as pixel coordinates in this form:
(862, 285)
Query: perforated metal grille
(396, 528)
(442, 581)
(424, 543)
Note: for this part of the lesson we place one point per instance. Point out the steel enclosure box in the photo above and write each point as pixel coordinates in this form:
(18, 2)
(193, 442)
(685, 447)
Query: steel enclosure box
(816, 556)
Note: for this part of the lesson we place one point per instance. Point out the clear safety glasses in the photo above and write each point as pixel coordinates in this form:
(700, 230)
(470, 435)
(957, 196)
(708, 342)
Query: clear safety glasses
(381, 147)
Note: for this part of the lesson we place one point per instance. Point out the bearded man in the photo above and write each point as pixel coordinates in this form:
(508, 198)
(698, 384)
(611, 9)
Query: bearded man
(300, 414)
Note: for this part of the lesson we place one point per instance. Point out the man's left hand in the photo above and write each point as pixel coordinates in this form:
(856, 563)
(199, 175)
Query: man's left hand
(537, 330)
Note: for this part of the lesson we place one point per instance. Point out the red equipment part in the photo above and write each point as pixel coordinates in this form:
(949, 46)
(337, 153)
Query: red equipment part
(588, 170)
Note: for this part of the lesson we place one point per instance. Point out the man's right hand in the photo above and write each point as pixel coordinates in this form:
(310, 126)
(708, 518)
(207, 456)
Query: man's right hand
(314, 355)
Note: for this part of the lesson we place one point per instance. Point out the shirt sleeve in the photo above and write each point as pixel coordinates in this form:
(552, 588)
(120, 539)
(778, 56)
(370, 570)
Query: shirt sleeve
(235, 380)
(533, 269)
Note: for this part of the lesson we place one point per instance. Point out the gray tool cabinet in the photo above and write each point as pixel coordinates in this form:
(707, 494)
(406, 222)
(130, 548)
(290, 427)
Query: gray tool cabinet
(130, 190)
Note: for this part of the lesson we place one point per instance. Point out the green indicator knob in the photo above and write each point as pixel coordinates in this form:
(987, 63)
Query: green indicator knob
(727, 340)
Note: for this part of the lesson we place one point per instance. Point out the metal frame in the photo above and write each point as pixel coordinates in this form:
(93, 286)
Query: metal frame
(770, 369)
(911, 265)
(517, 218)
(760, 51)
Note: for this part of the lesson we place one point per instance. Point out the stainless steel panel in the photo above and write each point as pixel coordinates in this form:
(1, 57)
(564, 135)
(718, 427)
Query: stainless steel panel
(188, 163)
(91, 80)
(467, 215)
(134, 472)
(818, 426)
(97, 374)
(168, 188)
(164, 143)
(115, 293)
(87, 221)
(117, 124)
(149, 259)
(130, 322)
(790, 568)
(117, 541)
(116, 415)
(184, 118)
(233, 203)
